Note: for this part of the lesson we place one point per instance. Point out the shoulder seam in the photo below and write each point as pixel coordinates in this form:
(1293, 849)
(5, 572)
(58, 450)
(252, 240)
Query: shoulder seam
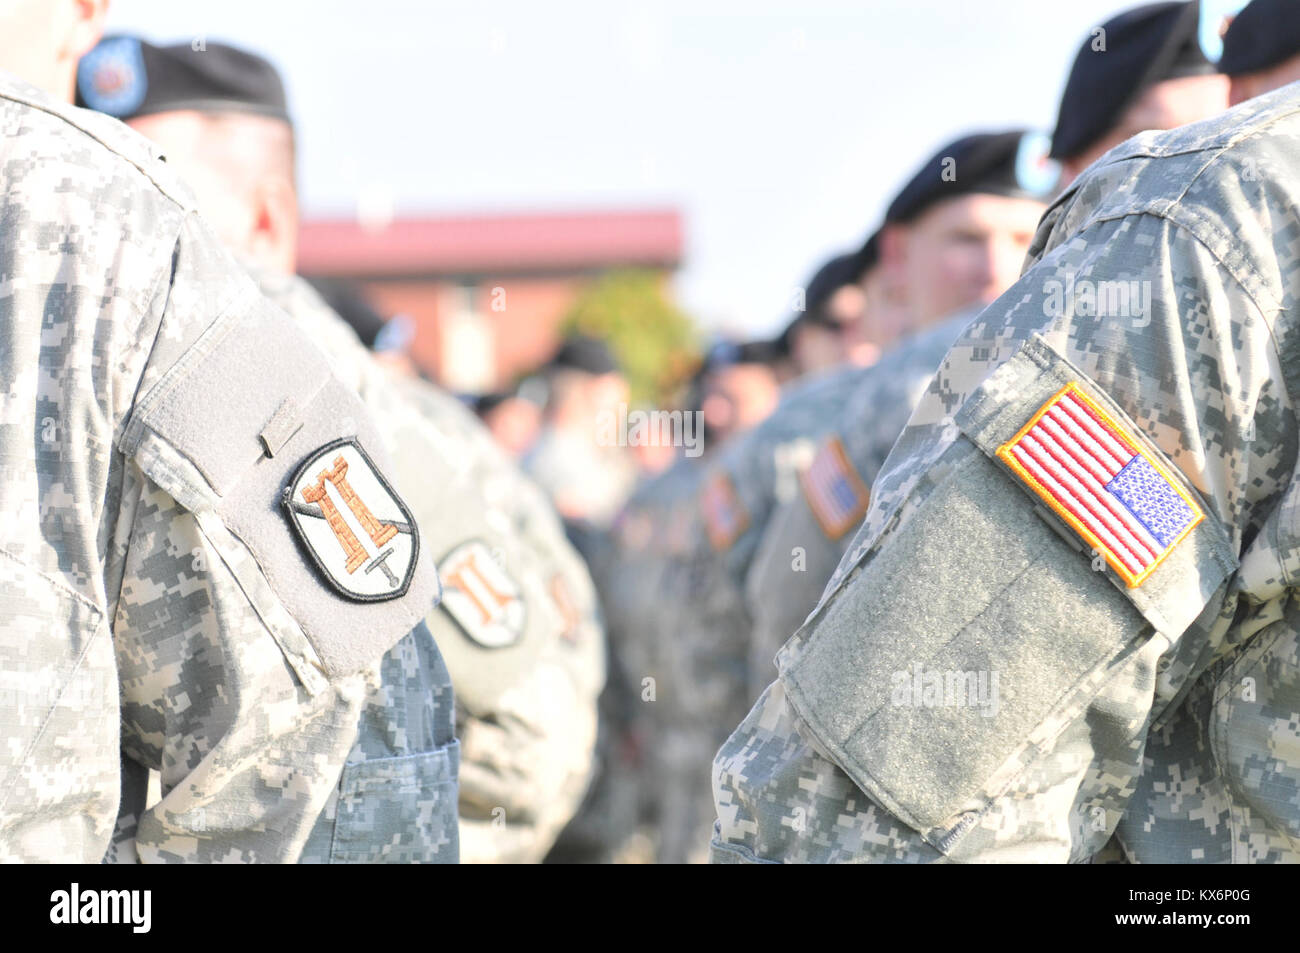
(88, 133)
(1192, 228)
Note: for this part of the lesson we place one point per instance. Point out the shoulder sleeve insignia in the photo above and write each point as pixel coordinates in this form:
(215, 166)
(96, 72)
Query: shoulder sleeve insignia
(356, 529)
(725, 517)
(1096, 477)
(834, 491)
(481, 597)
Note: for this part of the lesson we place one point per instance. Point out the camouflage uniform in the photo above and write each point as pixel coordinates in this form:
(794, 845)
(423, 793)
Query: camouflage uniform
(157, 601)
(653, 529)
(697, 646)
(1159, 710)
(804, 538)
(525, 708)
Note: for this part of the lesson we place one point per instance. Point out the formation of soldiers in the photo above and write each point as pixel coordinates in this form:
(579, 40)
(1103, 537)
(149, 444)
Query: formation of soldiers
(1003, 572)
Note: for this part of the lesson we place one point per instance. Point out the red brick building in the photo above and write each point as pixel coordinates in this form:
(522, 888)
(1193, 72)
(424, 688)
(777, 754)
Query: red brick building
(487, 293)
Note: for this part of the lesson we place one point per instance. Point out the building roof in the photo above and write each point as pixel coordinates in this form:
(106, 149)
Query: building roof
(492, 244)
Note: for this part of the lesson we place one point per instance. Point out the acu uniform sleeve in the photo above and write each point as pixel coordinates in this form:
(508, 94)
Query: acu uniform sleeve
(978, 681)
(242, 671)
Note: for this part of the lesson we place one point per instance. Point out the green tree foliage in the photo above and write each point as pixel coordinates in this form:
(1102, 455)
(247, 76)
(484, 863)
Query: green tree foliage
(654, 341)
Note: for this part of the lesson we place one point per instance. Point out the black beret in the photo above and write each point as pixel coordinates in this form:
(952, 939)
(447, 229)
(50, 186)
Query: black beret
(1143, 46)
(831, 277)
(869, 253)
(127, 77)
(783, 344)
(1263, 35)
(1002, 163)
(486, 403)
(728, 353)
(587, 354)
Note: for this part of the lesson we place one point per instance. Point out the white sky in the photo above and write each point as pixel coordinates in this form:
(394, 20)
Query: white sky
(779, 130)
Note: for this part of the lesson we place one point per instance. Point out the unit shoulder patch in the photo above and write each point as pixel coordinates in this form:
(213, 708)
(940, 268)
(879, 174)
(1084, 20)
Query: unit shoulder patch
(357, 530)
(837, 496)
(1098, 479)
(481, 597)
(725, 517)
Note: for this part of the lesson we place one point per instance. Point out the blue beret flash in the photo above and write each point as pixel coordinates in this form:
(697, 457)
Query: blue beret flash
(111, 77)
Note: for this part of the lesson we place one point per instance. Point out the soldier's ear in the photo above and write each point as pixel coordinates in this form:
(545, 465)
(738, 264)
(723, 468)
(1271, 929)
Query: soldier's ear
(274, 224)
(83, 26)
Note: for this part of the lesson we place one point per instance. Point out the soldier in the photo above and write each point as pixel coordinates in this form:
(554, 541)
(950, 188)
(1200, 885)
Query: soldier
(1261, 50)
(187, 556)
(953, 237)
(1143, 69)
(588, 480)
(736, 389)
(820, 335)
(807, 536)
(517, 621)
(1069, 612)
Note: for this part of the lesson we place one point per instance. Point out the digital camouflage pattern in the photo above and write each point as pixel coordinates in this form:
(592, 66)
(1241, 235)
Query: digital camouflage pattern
(795, 556)
(525, 713)
(1160, 715)
(134, 618)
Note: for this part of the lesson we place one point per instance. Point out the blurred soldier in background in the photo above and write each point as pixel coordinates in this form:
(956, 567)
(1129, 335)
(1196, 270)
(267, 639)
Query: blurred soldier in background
(512, 419)
(587, 477)
(737, 388)
(159, 600)
(806, 538)
(1143, 69)
(734, 388)
(822, 333)
(1069, 612)
(955, 227)
(961, 225)
(955, 237)
(517, 619)
(1261, 50)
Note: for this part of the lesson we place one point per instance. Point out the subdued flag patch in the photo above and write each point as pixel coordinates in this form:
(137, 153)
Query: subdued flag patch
(356, 529)
(834, 491)
(725, 517)
(1097, 478)
(481, 597)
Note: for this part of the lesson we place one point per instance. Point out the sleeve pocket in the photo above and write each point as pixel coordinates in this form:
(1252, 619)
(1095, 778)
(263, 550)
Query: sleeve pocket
(399, 810)
(223, 432)
(967, 643)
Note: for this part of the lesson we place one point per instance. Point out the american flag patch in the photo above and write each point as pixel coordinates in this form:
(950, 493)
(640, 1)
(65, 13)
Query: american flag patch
(834, 491)
(1100, 481)
(725, 517)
